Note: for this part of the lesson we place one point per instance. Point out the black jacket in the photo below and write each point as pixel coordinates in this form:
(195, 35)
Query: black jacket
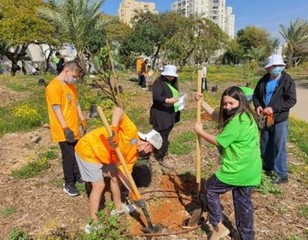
(162, 115)
(284, 96)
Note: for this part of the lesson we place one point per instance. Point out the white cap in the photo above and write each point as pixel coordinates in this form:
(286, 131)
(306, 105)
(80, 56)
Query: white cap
(152, 137)
(169, 70)
(275, 60)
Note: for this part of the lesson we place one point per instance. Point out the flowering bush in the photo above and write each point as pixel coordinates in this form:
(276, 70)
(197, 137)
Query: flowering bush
(27, 115)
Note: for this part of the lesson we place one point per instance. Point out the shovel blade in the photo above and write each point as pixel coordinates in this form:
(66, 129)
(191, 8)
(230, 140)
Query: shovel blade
(152, 229)
(195, 217)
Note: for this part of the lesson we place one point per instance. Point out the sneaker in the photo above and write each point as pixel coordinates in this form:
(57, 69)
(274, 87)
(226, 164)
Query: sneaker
(89, 228)
(70, 189)
(125, 209)
(220, 232)
(280, 180)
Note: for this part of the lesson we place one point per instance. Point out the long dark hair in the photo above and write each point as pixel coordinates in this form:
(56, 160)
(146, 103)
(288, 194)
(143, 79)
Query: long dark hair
(174, 82)
(244, 107)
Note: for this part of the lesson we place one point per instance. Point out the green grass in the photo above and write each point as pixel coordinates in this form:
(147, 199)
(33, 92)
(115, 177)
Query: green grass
(7, 211)
(266, 187)
(181, 145)
(25, 114)
(303, 209)
(298, 134)
(35, 167)
(17, 234)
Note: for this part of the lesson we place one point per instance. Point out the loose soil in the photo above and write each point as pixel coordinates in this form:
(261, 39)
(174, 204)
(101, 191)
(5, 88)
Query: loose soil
(43, 210)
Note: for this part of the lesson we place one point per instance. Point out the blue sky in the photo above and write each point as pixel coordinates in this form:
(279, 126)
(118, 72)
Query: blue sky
(267, 14)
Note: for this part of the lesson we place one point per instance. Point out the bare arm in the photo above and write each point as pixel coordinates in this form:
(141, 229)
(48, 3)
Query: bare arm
(211, 111)
(57, 110)
(208, 137)
(117, 116)
(214, 114)
(80, 114)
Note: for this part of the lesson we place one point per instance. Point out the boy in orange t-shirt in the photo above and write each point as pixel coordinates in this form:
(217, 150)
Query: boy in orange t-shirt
(138, 69)
(96, 156)
(64, 114)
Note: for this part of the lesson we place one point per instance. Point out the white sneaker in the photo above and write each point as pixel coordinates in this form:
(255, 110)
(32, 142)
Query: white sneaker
(125, 209)
(89, 228)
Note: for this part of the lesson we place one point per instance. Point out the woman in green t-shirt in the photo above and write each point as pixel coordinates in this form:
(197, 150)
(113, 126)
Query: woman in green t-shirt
(241, 162)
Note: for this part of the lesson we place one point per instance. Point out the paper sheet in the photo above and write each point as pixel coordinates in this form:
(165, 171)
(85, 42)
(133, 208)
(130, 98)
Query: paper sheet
(182, 101)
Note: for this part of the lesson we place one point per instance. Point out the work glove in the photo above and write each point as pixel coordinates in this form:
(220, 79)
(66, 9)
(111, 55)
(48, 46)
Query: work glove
(69, 135)
(270, 120)
(114, 138)
(84, 126)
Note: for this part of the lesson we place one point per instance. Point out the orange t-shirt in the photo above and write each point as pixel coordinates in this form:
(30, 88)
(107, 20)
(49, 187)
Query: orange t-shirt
(65, 95)
(138, 65)
(94, 147)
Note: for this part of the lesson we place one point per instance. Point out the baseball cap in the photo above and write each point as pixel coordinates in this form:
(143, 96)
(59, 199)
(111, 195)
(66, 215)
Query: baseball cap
(152, 137)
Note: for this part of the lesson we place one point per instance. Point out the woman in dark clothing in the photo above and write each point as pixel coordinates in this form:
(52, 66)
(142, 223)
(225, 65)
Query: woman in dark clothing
(164, 112)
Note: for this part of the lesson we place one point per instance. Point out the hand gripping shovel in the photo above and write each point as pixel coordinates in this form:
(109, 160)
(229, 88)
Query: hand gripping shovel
(197, 213)
(139, 202)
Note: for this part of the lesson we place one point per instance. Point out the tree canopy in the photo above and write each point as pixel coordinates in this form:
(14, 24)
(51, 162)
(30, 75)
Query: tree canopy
(20, 25)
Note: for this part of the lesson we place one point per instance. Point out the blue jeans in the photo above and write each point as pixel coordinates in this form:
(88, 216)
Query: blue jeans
(274, 148)
(242, 202)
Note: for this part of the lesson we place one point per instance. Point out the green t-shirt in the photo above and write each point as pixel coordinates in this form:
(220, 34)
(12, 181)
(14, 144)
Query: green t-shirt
(241, 157)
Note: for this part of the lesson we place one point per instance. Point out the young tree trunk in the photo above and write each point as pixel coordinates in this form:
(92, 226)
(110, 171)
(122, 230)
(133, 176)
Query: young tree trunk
(156, 55)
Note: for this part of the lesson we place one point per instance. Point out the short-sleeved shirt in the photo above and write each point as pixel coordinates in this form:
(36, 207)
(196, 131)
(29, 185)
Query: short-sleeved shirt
(241, 157)
(94, 146)
(138, 65)
(65, 95)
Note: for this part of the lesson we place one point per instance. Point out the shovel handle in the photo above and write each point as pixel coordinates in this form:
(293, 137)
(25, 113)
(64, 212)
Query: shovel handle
(198, 140)
(119, 153)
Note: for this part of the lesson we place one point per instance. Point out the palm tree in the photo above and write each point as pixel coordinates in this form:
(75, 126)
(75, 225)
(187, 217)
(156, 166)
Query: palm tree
(256, 53)
(76, 21)
(294, 35)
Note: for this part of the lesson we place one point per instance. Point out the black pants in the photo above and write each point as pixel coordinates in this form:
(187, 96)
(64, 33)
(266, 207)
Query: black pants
(242, 202)
(142, 82)
(161, 153)
(69, 163)
(204, 84)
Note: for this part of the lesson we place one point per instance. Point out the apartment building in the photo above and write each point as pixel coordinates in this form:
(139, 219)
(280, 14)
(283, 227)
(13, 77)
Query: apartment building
(127, 9)
(215, 10)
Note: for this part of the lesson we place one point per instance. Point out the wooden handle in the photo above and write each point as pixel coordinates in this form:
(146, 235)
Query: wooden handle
(120, 155)
(198, 145)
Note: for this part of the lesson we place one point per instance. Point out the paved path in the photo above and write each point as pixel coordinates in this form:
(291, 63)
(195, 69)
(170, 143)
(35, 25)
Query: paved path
(300, 110)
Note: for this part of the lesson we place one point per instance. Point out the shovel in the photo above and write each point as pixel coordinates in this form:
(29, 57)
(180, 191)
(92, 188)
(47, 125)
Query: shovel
(139, 201)
(197, 213)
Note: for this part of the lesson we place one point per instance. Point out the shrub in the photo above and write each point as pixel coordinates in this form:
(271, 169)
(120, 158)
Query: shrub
(17, 234)
(7, 211)
(27, 116)
(108, 227)
(266, 186)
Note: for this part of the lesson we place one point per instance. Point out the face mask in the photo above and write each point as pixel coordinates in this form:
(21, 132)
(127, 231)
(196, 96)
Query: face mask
(71, 81)
(229, 113)
(277, 70)
(142, 154)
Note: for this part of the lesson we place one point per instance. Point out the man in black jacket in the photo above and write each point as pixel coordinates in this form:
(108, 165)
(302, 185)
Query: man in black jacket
(273, 97)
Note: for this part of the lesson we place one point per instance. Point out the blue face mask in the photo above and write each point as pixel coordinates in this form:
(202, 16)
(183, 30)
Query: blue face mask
(71, 80)
(277, 70)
